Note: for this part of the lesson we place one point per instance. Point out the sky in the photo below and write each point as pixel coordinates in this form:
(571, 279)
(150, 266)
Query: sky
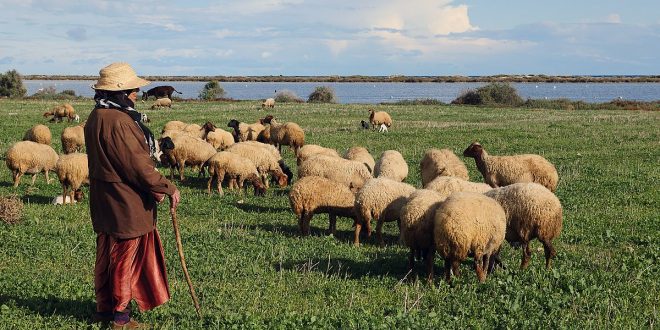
(339, 37)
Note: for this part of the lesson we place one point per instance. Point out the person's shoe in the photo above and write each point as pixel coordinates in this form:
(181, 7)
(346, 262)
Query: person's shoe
(132, 324)
(102, 317)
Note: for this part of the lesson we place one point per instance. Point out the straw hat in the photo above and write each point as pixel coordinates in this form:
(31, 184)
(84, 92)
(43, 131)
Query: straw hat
(118, 77)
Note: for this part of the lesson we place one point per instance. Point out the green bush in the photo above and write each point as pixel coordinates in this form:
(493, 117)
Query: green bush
(211, 91)
(69, 92)
(322, 94)
(493, 94)
(50, 93)
(11, 84)
(418, 102)
(287, 96)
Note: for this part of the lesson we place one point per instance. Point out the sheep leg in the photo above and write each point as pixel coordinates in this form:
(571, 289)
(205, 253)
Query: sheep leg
(332, 226)
(456, 267)
(492, 260)
(17, 178)
(379, 231)
(241, 181)
(221, 177)
(208, 184)
(358, 229)
(64, 194)
(47, 178)
(526, 255)
(34, 178)
(449, 265)
(550, 252)
(478, 267)
(411, 260)
(429, 258)
(182, 166)
(306, 219)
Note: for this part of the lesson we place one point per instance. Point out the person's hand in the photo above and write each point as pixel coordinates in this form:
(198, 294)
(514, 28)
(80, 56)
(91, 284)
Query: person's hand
(158, 196)
(175, 198)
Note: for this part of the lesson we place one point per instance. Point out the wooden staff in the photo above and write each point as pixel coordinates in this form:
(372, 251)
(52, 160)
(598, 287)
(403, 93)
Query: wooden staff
(179, 248)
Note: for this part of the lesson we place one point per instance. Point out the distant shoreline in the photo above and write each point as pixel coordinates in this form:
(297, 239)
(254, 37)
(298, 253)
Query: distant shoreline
(386, 79)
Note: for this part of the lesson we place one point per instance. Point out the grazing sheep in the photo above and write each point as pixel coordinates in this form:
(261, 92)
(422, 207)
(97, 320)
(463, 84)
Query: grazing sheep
(352, 174)
(532, 211)
(32, 158)
(288, 134)
(469, 223)
(144, 118)
(184, 150)
(72, 171)
(441, 163)
(391, 165)
(76, 118)
(246, 132)
(380, 199)
(382, 128)
(504, 170)
(269, 103)
(39, 134)
(417, 226)
(376, 118)
(197, 131)
(264, 158)
(60, 200)
(219, 139)
(313, 194)
(237, 168)
(287, 170)
(447, 185)
(361, 154)
(174, 125)
(310, 150)
(162, 102)
(73, 138)
(60, 112)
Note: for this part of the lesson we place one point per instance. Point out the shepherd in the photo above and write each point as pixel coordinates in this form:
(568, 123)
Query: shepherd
(124, 190)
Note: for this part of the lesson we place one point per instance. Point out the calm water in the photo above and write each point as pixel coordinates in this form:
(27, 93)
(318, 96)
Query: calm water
(387, 92)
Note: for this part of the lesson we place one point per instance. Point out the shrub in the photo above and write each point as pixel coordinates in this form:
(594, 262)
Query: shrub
(11, 209)
(50, 93)
(322, 94)
(287, 96)
(11, 84)
(493, 94)
(418, 102)
(211, 91)
(69, 92)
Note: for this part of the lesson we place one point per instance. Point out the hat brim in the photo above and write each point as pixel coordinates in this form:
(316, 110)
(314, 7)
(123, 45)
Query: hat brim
(136, 82)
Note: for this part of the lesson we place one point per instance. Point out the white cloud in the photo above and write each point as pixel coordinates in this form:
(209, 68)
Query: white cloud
(266, 54)
(224, 53)
(160, 21)
(336, 46)
(613, 18)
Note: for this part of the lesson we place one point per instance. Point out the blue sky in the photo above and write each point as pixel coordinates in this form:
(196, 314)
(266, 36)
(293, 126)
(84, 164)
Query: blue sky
(340, 37)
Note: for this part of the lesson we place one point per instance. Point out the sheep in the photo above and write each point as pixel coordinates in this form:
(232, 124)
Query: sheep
(361, 154)
(73, 138)
(313, 195)
(376, 118)
(532, 211)
(144, 118)
(391, 165)
(219, 139)
(382, 128)
(270, 103)
(61, 111)
(417, 226)
(263, 157)
(447, 185)
(469, 223)
(380, 199)
(504, 170)
(286, 170)
(288, 134)
(237, 168)
(39, 134)
(263, 147)
(32, 158)
(310, 150)
(76, 118)
(246, 132)
(350, 173)
(197, 131)
(364, 124)
(72, 172)
(174, 125)
(184, 150)
(441, 162)
(162, 102)
(59, 199)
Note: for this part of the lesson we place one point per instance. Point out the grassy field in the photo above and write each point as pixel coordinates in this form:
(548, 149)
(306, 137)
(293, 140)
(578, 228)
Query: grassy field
(252, 270)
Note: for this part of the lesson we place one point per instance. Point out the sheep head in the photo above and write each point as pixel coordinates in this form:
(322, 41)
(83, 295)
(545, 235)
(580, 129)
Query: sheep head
(233, 124)
(259, 187)
(166, 143)
(475, 150)
(78, 195)
(282, 179)
(208, 127)
(268, 119)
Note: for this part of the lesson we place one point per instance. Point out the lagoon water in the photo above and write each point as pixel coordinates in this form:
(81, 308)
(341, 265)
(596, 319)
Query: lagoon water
(372, 93)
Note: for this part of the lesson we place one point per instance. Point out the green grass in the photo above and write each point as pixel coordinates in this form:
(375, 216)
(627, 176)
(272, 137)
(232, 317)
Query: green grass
(252, 270)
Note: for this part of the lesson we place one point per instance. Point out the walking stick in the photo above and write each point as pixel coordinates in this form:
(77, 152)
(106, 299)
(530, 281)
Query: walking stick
(179, 248)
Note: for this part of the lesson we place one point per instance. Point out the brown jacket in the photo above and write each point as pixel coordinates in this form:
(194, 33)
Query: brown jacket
(122, 176)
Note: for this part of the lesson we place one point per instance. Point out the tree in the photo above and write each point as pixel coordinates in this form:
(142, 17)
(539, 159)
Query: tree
(11, 84)
(211, 91)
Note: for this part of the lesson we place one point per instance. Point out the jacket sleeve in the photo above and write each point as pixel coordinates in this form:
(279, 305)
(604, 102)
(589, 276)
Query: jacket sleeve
(127, 151)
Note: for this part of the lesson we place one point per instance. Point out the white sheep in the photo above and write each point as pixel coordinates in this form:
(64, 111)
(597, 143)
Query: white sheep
(60, 200)
(39, 134)
(32, 158)
(184, 150)
(61, 111)
(447, 185)
(352, 174)
(173, 125)
(288, 134)
(441, 163)
(263, 157)
(220, 139)
(532, 211)
(268, 103)
(72, 172)
(313, 195)
(417, 226)
(247, 132)
(162, 102)
(237, 169)
(73, 138)
(76, 118)
(310, 150)
(361, 154)
(376, 118)
(504, 170)
(391, 165)
(380, 199)
(469, 223)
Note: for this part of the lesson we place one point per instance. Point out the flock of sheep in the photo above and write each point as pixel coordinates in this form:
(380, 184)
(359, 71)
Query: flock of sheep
(450, 215)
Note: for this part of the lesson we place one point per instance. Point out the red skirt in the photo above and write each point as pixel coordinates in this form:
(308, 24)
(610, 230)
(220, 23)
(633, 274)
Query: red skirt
(130, 269)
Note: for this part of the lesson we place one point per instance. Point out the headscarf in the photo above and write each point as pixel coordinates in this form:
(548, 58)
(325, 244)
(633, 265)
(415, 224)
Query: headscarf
(119, 100)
